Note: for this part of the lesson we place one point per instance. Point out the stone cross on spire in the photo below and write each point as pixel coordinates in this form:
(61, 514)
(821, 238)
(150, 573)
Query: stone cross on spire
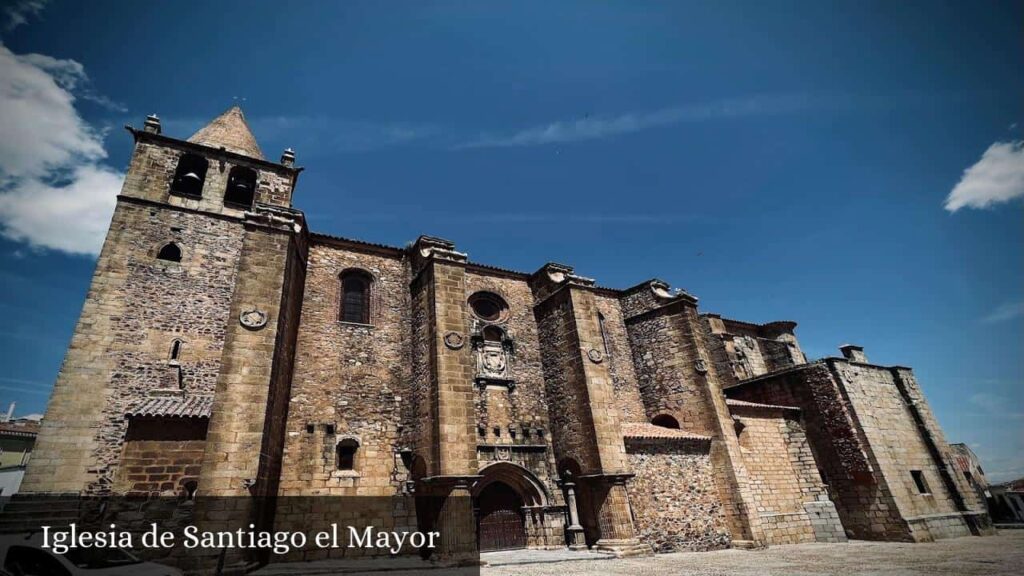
(230, 131)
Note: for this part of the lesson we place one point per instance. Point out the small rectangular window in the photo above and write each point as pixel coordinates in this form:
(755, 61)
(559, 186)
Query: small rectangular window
(922, 484)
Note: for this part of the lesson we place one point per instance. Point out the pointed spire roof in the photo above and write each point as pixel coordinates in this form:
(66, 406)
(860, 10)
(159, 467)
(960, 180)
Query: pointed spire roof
(231, 131)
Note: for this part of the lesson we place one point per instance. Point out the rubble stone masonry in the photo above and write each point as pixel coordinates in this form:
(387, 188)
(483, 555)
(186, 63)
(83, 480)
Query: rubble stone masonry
(674, 497)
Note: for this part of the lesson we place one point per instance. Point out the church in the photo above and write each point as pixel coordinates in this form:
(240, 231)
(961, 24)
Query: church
(226, 350)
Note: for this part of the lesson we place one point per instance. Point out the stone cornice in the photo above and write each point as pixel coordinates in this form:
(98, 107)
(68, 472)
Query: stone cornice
(144, 136)
(673, 306)
(164, 205)
(357, 245)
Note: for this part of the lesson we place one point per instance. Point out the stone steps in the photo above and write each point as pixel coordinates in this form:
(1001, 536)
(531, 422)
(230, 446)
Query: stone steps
(25, 512)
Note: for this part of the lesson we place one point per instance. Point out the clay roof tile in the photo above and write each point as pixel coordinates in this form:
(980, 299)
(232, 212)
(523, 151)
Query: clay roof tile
(195, 407)
(645, 430)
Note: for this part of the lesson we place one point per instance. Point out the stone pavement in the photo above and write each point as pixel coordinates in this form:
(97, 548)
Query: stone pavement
(1001, 555)
(520, 557)
(413, 565)
(994, 555)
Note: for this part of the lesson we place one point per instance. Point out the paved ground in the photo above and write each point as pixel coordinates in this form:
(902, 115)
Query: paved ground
(1001, 555)
(516, 557)
(996, 555)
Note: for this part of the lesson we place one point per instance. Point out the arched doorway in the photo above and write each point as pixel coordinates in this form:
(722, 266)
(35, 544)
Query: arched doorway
(500, 521)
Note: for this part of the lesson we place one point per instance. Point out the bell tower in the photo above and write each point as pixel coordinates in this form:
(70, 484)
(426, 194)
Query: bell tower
(203, 240)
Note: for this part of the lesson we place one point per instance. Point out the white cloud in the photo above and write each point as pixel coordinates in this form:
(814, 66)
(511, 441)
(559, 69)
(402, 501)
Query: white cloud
(72, 217)
(334, 134)
(588, 128)
(71, 76)
(18, 12)
(54, 191)
(1004, 312)
(996, 406)
(997, 177)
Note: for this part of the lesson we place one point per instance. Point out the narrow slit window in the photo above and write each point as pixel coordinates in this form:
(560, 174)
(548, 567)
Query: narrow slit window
(175, 350)
(604, 333)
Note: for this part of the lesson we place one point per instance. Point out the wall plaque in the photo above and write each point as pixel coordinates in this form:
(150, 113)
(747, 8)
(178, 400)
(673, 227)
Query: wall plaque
(253, 319)
(454, 340)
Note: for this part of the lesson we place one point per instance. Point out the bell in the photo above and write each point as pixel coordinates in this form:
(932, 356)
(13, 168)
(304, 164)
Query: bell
(191, 177)
(241, 187)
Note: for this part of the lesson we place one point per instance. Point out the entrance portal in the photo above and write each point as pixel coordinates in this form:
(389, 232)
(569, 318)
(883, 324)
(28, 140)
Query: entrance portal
(500, 524)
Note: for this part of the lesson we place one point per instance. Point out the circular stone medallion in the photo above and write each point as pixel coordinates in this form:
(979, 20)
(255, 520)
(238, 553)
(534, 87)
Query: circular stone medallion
(701, 366)
(253, 319)
(454, 340)
(595, 355)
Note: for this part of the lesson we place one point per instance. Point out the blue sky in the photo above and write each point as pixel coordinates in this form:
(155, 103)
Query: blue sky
(783, 160)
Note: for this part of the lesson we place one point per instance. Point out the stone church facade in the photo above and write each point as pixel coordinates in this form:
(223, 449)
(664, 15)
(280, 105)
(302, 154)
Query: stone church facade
(224, 349)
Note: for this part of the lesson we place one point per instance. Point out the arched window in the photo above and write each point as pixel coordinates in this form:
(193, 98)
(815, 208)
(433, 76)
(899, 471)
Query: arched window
(355, 297)
(346, 454)
(190, 175)
(170, 252)
(488, 306)
(493, 334)
(665, 421)
(176, 346)
(241, 187)
(604, 333)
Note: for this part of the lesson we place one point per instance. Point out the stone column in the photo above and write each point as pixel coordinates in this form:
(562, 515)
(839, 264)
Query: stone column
(457, 526)
(611, 505)
(574, 532)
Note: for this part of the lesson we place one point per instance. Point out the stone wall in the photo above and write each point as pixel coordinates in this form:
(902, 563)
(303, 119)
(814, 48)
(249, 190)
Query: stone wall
(249, 375)
(136, 307)
(666, 359)
(783, 476)
(282, 373)
(867, 441)
(899, 448)
(674, 498)
(970, 501)
(515, 415)
(619, 357)
(350, 379)
(522, 407)
(864, 503)
(571, 422)
(161, 456)
(742, 350)
(670, 352)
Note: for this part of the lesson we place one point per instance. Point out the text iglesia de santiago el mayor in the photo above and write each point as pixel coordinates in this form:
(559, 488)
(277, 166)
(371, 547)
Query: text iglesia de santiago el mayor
(224, 349)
